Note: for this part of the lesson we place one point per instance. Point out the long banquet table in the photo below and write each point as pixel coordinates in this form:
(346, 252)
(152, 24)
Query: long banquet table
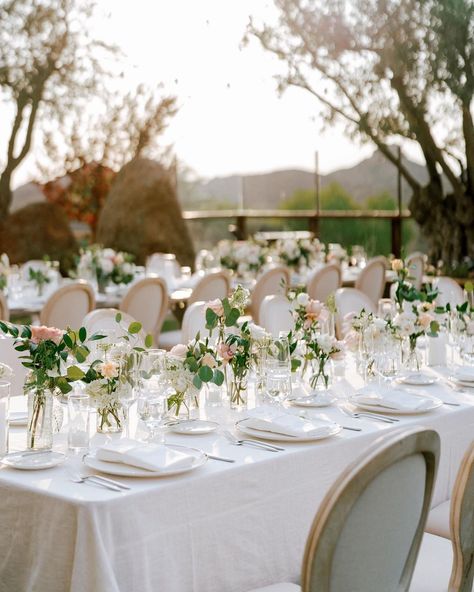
(222, 528)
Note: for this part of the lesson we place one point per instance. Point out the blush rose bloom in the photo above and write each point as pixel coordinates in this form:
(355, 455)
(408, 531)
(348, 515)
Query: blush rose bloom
(108, 369)
(397, 265)
(216, 307)
(226, 352)
(43, 333)
(425, 319)
(209, 360)
(179, 351)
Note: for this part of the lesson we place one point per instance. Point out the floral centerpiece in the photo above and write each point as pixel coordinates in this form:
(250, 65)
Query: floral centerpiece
(323, 349)
(414, 320)
(4, 271)
(110, 379)
(234, 346)
(39, 278)
(297, 253)
(242, 257)
(45, 352)
(405, 290)
(308, 315)
(106, 265)
(186, 369)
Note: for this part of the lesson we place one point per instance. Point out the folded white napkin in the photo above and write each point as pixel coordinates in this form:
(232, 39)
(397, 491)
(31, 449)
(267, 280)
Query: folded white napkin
(269, 419)
(392, 398)
(152, 457)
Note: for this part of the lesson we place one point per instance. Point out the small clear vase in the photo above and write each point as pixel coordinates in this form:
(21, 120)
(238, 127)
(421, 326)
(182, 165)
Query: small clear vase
(183, 405)
(411, 357)
(321, 376)
(237, 390)
(40, 419)
(111, 419)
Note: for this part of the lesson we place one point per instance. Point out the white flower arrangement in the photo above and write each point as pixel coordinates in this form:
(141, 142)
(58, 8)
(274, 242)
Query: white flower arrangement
(242, 257)
(107, 264)
(297, 253)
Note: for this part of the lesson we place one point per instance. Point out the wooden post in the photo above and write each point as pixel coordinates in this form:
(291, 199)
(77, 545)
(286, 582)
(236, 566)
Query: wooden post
(241, 228)
(396, 224)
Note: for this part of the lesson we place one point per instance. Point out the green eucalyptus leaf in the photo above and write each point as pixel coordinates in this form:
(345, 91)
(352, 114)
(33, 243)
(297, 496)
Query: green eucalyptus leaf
(205, 373)
(134, 328)
(149, 341)
(82, 334)
(75, 373)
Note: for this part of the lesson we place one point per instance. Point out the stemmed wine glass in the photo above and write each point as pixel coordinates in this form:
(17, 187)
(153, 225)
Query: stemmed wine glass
(152, 393)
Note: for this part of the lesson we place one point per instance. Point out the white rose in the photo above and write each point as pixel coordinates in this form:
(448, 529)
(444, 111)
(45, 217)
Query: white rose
(325, 342)
(108, 253)
(106, 265)
(257, 333)
(302, 299)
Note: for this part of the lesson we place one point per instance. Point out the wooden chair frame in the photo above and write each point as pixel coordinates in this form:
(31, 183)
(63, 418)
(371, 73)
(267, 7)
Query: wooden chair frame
(339, 501)
(318, 276)
(376, 261)
(4, 310)
(257, 297)
(149, 281)
(461, 520)
(59, 293)
(208, 278)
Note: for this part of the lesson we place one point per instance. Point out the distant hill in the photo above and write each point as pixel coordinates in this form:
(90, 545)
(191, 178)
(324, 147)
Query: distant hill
(266, 191)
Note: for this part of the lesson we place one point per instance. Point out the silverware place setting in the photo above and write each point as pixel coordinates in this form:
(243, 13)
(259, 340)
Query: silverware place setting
(252, 443)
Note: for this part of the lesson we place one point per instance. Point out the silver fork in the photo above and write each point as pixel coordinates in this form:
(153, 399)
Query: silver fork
(368, 415)
(77, 478)
(263, 445)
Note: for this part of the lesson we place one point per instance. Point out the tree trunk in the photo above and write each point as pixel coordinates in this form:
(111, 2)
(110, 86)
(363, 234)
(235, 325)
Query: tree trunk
(447, 223)
(5, 194)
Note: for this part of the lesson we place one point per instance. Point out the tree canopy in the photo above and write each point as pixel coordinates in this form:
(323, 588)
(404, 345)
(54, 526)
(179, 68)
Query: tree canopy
(393, 70)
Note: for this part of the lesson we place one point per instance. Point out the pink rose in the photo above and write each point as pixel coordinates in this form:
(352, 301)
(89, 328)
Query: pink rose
(216, 307)
(209, 360)
(313, 310)
(226, 352)
(425, 319)
(43, 333)
(179, 351)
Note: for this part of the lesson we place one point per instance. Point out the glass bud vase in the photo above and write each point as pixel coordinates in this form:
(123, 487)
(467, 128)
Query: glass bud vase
(111, 419)
(411, 357)
(237, 390)
(321, 377)
(40, 419)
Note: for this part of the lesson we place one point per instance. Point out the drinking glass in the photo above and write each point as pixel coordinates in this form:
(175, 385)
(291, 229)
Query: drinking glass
(152, 392)
(386, 309)
(4, 405)
(277, 369)
(387, 357)
(78, 407)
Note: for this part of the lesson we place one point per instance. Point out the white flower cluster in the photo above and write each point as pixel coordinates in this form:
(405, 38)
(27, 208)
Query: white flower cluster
(297, 253)
(240, 298)
(243, 257)
(105, 261)
(329, 345)
(5, 371)
(414, 318)
(99, 393)
(177, 375)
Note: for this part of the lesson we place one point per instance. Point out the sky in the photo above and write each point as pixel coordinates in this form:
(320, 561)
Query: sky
(231, 118)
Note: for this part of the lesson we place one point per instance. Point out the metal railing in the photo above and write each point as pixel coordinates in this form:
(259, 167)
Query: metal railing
(239, 219)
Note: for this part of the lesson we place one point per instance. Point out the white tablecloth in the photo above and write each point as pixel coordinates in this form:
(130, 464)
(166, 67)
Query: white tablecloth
(223, 528)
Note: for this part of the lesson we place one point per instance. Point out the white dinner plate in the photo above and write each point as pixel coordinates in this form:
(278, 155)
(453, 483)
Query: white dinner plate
(18, 418)
(332, 430)
(33, 462)
(435, 403)
(123, 470)
(418, 379)
(194, 427)
(318, 400)
(459, 382)
(464, 374)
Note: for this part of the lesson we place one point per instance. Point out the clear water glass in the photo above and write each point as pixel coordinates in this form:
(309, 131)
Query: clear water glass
(151, 410)
(78, 407)
(277, 369)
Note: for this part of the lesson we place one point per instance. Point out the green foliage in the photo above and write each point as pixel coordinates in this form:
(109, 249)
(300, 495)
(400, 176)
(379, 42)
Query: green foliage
(373, 235)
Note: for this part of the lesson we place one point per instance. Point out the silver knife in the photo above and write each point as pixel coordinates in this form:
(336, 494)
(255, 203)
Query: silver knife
(222, 458)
